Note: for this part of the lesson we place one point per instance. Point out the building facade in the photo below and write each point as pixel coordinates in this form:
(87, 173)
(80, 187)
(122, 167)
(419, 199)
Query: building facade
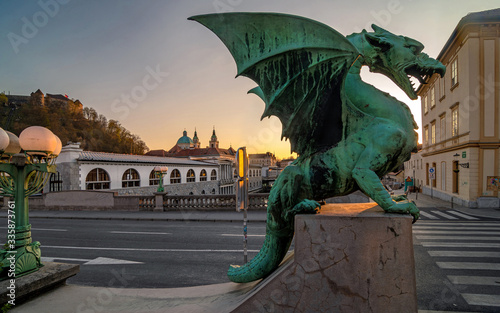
(460, 158)
(131, 174)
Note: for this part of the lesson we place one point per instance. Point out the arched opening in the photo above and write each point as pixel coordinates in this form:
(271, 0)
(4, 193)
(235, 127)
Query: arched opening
(97, 179)
(175, 177)
(130, 178)
(191, 177)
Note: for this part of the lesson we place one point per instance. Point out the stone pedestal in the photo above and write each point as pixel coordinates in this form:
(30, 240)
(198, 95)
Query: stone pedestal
(159, 201)
(348, 258)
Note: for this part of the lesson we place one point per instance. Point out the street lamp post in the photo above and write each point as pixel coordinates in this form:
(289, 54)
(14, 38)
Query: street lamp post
(160, 171)
(21, 175)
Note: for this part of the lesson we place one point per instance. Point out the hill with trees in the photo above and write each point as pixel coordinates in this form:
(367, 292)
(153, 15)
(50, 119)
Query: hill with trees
(94, 131)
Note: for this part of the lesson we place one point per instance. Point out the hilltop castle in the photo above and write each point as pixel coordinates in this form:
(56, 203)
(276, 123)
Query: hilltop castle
(41, 99)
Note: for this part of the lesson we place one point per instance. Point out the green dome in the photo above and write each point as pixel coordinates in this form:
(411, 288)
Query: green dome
(184, 139)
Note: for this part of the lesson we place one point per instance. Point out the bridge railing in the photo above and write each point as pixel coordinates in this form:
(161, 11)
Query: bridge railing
(203, 202)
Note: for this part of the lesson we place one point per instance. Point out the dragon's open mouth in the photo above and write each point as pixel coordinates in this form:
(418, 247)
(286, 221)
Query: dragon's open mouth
(421, 73)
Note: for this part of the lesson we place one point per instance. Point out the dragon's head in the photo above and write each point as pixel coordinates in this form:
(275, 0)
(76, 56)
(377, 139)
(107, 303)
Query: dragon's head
(399, 58)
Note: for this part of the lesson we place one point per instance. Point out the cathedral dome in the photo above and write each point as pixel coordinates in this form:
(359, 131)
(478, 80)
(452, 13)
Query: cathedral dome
(184, 139)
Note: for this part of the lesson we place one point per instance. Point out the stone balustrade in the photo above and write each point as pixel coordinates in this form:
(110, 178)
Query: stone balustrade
(106, 200)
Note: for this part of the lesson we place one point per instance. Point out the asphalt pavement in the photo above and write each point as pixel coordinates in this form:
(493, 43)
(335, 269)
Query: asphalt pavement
(209, 298)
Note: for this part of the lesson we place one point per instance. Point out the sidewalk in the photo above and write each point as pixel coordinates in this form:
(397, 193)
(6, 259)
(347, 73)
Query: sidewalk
(426, 201)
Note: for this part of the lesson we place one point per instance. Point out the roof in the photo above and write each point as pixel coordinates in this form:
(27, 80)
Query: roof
(131, 158)
(203, 152)
(57, 97)
(184, 138)
(474, 17)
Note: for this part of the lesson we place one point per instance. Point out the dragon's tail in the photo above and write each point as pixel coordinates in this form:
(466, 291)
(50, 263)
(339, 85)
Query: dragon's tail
(265, 262)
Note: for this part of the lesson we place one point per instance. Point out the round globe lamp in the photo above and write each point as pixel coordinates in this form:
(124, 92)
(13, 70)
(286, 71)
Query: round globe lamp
(37, 140)
(14, 146)
(4, 140)
(58, 148)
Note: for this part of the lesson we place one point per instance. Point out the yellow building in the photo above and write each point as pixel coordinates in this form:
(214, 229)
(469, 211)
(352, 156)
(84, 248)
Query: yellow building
(461, 117)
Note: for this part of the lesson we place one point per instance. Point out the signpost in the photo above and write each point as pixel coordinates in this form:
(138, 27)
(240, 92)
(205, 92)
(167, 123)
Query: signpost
(242, 192)
(432, 176)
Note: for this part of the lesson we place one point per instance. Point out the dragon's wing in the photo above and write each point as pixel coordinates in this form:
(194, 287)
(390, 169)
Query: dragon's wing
(300, 66)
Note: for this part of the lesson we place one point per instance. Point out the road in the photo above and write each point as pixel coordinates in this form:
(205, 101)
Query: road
(456, 256)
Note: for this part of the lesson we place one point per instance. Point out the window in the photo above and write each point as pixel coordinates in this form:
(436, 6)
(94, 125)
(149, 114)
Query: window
(426, 135)
(154, 179)
(443, 176)
(454, 121)
(175, 177)
(441, 88)
(131, 178)
(55, 182)
(433, 132)
(433, 97)
(454, 73)
(442, 127)
(213, 175)
(97, 179)
(203, 175)
(426, 105)
(191, 177)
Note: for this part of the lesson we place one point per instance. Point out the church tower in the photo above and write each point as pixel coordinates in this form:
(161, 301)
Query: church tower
(196, 140)
(214, 143)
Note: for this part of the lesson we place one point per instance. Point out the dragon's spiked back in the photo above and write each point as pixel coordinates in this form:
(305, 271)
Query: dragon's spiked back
(299, 66)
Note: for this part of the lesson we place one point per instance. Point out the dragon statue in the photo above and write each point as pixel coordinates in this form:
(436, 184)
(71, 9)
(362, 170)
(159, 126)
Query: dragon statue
(347, 133)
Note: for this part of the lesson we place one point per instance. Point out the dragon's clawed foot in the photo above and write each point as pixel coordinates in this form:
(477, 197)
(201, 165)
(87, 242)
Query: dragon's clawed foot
(405, 207)
(306, 206)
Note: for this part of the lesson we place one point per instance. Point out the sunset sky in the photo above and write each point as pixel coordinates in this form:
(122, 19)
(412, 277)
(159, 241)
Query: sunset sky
(144, 64)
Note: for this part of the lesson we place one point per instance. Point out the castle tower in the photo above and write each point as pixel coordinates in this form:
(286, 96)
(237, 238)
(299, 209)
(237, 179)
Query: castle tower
(214, 143)
(37, 98)
(196, 141)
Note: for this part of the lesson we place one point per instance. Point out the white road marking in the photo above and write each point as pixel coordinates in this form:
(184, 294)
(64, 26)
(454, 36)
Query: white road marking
(483, 300)
(475, 280)
(469, 266)
(445, 215)
(96, 261)
(456, 228)
(430, 216)
(463, 215)
(458, 238)
(139, 233)
(451, 232)
(431, 223)
(465, 254)
(145, 250)
(52, 259)
(461, 244)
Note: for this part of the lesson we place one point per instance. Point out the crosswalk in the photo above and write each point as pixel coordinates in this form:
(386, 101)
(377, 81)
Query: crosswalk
(468, 253)
(446, 215)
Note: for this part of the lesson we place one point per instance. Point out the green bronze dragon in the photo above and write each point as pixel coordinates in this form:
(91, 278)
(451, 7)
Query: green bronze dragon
(347, 133)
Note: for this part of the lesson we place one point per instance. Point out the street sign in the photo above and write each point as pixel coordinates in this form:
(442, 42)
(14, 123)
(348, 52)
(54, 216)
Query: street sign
(432, 173)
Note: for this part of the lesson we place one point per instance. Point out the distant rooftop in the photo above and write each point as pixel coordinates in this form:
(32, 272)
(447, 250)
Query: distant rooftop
(130, 158)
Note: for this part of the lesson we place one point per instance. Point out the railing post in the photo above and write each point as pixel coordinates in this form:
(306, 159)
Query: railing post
(158, 207)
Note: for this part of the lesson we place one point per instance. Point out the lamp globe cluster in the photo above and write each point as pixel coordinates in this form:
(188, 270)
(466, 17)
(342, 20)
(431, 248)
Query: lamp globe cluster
(34, 140)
